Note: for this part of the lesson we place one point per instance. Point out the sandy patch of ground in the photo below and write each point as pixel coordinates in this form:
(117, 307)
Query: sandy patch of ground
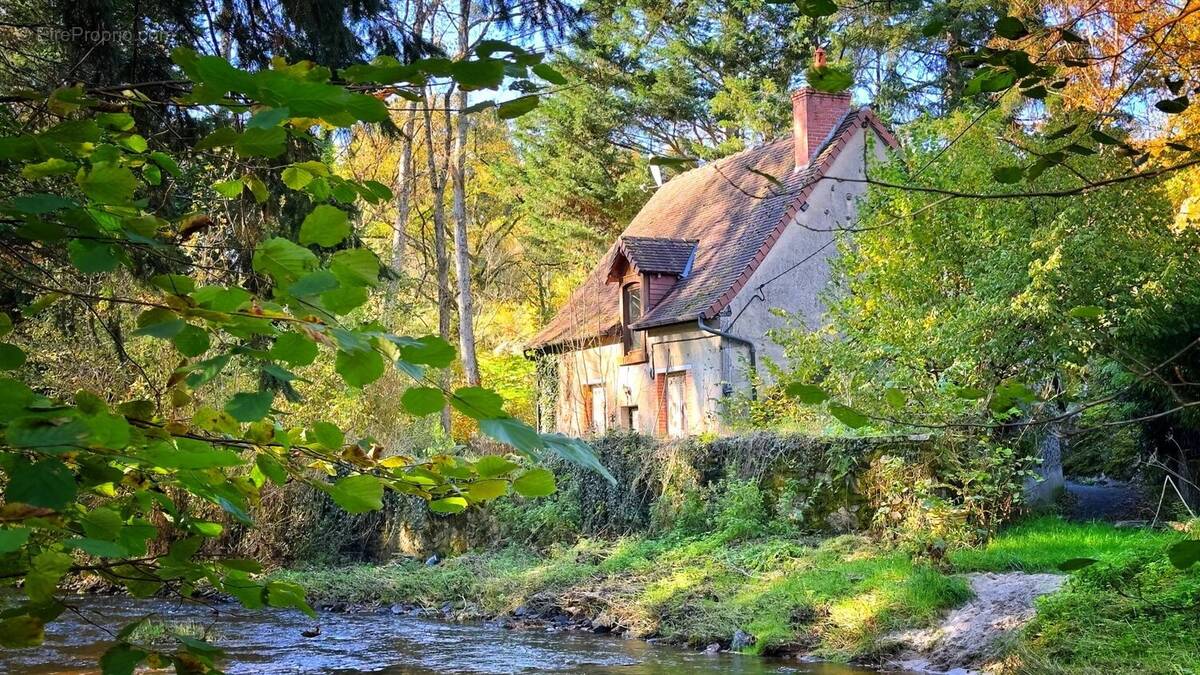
(970, 636)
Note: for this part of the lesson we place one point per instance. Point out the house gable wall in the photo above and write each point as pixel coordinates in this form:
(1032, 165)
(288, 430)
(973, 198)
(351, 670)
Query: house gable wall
(796, 272)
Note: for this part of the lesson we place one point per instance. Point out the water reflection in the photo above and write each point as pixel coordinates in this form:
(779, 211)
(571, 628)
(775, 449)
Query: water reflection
(270, 642)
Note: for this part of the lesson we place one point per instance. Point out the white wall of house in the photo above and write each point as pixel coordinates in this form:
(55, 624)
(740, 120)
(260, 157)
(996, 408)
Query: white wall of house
(780, 282)
(688, 354)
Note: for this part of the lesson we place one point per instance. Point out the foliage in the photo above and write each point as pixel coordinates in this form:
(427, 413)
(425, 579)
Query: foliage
(111, 487)
(1134, 612)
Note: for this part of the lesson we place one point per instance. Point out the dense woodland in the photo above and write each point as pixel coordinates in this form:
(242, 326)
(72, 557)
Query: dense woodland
(255, 255)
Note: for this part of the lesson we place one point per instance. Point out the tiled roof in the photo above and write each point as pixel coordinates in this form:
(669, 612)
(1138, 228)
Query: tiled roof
(734, 208)
(657, 254)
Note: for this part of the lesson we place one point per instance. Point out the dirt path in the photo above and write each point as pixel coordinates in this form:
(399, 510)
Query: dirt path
(969, 636)
(1106, 499)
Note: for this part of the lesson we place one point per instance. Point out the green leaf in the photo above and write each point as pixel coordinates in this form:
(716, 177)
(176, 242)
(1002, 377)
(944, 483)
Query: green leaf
(51, 167)
(535, 483)
(325, 226)
(1185, 554)
(1086, 312)
(356, 267)
(477, 403)
(480, 74)
(159, 322)
(328, 435)
(848, 416)
(430, 350)
(549, 74)
(175, 284)
(1103, 138)
(486, 490)
(22, 631)
(808, 394)
(46, 435)
(97, 547)
(516, 107)
(230, 188)
(109, 184)
(283, 594)
(490, 466)
(816, 8)
(191, 341)
(222, 137)
(359, 368)
(296, 178)
(261, 142)
(1008, 174)
(1011, 28)
(895, 398)
(121, 659)
(358, 494)
(206, 370)
(344, 300)
(186, 453)
(6, 324)
(313, 283)
(47, 569)
(93, 257)
(577, 452)
(267, 118)
(13, 538)
(1076, 564)
(11, 356)
(271, 468)
(166, 163)
(448, 505)
(294, 349)
(422, 400)
(283, 260)
(1173, 106)
(831, 79)
(250, 406)
(513, 432)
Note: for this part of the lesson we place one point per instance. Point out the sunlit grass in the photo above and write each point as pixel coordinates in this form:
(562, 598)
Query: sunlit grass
(1039, 545)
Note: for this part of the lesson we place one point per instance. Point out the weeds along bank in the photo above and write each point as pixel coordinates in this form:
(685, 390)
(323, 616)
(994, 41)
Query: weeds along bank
(930, 494)
(786, 544)
(781, 592)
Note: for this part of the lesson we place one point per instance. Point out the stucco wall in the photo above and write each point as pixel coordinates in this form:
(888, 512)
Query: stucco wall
(668, 350)
(783, 281)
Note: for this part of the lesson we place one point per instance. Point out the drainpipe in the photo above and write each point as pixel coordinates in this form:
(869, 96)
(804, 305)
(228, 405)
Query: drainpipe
(733, 338)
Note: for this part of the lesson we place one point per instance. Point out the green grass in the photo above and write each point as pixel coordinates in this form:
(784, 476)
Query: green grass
(834, 597)
(153, 631)
(1039, 545)
(1132, 612)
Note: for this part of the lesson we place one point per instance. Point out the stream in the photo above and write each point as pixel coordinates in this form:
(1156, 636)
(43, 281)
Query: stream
(376, 642)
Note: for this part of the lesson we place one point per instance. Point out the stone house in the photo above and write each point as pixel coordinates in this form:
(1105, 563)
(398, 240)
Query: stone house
(674, 318)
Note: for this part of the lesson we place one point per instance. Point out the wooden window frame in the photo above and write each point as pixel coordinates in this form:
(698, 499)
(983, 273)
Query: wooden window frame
(632, 355)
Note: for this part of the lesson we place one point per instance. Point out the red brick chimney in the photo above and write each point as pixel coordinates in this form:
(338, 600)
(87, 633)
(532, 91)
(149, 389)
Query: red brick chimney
(814, 115)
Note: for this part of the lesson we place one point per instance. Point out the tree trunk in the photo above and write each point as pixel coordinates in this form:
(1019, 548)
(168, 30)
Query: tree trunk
(437, 184)
(404, 191)
(462, 252)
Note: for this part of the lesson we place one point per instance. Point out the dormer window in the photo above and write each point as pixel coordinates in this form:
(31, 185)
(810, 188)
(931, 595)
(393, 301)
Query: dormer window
(631, 311)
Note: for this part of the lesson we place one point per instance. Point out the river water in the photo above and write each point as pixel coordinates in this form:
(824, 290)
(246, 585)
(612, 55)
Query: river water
(376, 642)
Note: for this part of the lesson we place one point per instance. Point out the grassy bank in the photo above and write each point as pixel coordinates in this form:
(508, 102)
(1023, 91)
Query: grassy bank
(833, 597)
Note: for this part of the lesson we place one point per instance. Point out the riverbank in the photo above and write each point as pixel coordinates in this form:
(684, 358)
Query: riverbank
(843, 598)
